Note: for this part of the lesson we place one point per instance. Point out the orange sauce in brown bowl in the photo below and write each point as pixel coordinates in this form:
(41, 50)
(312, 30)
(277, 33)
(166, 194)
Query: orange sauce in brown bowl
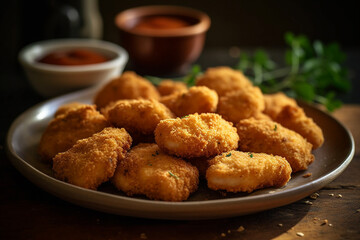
(161, 22)
(162, 40)
(74, 57)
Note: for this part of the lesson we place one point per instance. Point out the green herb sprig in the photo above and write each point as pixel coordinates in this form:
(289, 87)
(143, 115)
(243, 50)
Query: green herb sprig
(173, 175)
(314, 72)
(189, 78)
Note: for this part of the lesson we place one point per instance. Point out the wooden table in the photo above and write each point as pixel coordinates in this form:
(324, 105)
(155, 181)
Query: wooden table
(27, 212)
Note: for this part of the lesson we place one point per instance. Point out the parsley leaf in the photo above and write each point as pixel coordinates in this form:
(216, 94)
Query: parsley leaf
(189, 79)
(314, 72)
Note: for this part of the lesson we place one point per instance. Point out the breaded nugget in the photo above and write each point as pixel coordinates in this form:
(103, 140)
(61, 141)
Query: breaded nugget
(202, 164)
(92, 161)
(128, 86)
(266, 136)
(274, 103)
(197, 135)
(195, 100)
(223, 80)
(67, 107)
(137, 115)
(261, 116)
(64, 130)
(167, 87)
(148, 171)
(294, 118)
(241, 104)
(236, 171)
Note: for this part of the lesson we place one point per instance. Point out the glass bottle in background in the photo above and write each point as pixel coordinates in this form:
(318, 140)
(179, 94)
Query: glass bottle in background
(92, 22)
(74, 19)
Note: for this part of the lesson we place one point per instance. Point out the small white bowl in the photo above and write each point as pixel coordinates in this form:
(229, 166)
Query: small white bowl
(52, 80)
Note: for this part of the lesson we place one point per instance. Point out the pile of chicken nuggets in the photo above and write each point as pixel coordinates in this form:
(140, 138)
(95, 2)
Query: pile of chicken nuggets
(159, 141)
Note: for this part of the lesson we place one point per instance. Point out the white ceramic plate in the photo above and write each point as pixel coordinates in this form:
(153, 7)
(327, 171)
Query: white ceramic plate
(25, 132)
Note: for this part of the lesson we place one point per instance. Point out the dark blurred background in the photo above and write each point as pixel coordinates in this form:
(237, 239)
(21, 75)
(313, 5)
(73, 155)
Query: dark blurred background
(256, 23)
(246, 24)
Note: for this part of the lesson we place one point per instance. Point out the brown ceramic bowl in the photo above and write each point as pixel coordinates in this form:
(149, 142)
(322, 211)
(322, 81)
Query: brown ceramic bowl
(162, 52)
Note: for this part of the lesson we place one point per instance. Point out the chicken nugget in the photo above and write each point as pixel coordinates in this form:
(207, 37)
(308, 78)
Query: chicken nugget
(202, 164)
(148, 171)
(274, 103)
(137, 115)
(128, 86)
(195, 100)
(294, 118)
(223, 80)
(64, 130)
(168, 87)
(197, 135)
(266, 136)
(92, 161)
(241, 104)
(236, 171)
(68, 107)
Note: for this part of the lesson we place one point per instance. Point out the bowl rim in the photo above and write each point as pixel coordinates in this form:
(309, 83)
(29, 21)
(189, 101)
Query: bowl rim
(198, 28)
(53, 44)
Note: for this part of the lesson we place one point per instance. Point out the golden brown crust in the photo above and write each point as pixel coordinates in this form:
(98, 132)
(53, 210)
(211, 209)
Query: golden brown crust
(241, 104)
(137, 116)
(64, 130)
(148, 171)
(195, 100)
(274, 103)
(92, 161)
(128, 86)
(236, 171)
(85, 154)
(67, 107)
(295, 119)
(168, 87)
(266, 136)
(197, 135)
(261, 116)
(202, 164)
(223, 80)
